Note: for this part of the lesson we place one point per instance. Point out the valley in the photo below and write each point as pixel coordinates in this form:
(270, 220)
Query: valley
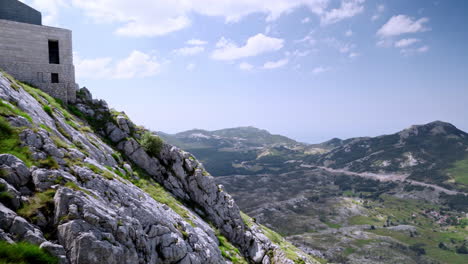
(367, 200)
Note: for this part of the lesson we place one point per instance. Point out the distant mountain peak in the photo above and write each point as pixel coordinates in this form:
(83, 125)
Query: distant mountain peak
(433, 128)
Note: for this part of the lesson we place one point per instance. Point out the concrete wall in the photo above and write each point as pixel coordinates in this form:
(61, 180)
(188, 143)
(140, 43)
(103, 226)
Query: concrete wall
(24, 53)
(19, 12)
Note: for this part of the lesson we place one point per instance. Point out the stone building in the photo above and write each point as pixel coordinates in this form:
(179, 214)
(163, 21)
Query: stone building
(35, 54)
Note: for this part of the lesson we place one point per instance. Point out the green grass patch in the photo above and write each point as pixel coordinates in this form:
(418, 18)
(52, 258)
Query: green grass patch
(48, 110)
(49, 163)
(7, 109)
(5, 197)
(362, 242)
(75, 187)
(37, 202)
(158, 193)
(332, 225)
(429, 233)
(24, 253)
(459, 172)
(108, 175)
(11, 144)
(349, 193)
(229, 251)
(248, 221)
(348, 251)
(52, 103)
(429, 241)
(46, 128)
(94, 168)
(59, 143)
(289, 249)
(5, 128)
(363, 220)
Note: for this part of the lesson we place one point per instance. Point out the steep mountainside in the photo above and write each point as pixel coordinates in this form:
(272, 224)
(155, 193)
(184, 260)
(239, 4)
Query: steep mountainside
(77, 181)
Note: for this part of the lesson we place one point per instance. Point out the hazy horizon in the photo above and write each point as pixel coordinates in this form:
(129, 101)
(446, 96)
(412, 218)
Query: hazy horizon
(212, 130)
(307, 69)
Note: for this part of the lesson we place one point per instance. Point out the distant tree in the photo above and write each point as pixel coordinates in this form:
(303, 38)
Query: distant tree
(462, 249)
(418, 248)
(443, 246)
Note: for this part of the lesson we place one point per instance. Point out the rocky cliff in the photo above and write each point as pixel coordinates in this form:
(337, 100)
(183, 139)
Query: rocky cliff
(76, 181)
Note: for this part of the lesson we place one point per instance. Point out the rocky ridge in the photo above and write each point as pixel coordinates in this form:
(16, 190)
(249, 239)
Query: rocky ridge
(92, 194)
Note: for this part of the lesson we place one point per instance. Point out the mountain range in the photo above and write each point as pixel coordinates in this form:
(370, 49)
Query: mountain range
(434, 153)
(359, 200)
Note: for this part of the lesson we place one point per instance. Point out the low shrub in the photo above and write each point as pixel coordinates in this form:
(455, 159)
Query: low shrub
(5, 197)
(48, 110)
(5, 128)
(152, 144)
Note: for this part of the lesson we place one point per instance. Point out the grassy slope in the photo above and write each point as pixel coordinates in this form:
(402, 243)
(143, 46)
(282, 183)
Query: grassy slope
(459, 173)
(429, 232)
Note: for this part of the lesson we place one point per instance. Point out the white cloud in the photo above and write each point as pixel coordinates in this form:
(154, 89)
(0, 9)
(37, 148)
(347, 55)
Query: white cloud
(423, 49)
(136, 65)
(308, 39)
(305, 20)
(401, 24)
(406, 42)
(354, 55)
(413, 51)
(99, 68)
(245, 66)
(297, 53)
(349, 33)
(340, 46)
(149, 18)
(378, 13)
(380, 8)
(275, 64)
(189, 51)
(146, 18)
(347, 9)
(191, 66)
(196, 42)
(49, 8)
(320, 69)
(255, 45)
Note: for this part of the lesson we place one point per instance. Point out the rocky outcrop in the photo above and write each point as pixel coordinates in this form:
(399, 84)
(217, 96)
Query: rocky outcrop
(86, 201)
(181, 174)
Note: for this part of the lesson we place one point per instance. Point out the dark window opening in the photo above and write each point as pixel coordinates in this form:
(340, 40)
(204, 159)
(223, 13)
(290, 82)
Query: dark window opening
(54, 78)
(54, 57)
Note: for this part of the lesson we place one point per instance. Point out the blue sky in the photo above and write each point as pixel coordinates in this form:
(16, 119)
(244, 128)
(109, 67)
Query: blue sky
(307, 69)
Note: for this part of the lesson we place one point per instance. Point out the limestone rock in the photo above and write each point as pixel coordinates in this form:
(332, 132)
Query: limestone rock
(14, 170)
(44, 179)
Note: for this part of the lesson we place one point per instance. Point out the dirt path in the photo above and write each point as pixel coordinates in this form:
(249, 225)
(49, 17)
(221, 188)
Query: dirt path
(391, 177)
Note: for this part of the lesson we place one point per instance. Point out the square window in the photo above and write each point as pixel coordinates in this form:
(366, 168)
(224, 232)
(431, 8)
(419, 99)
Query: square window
(54, 77)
